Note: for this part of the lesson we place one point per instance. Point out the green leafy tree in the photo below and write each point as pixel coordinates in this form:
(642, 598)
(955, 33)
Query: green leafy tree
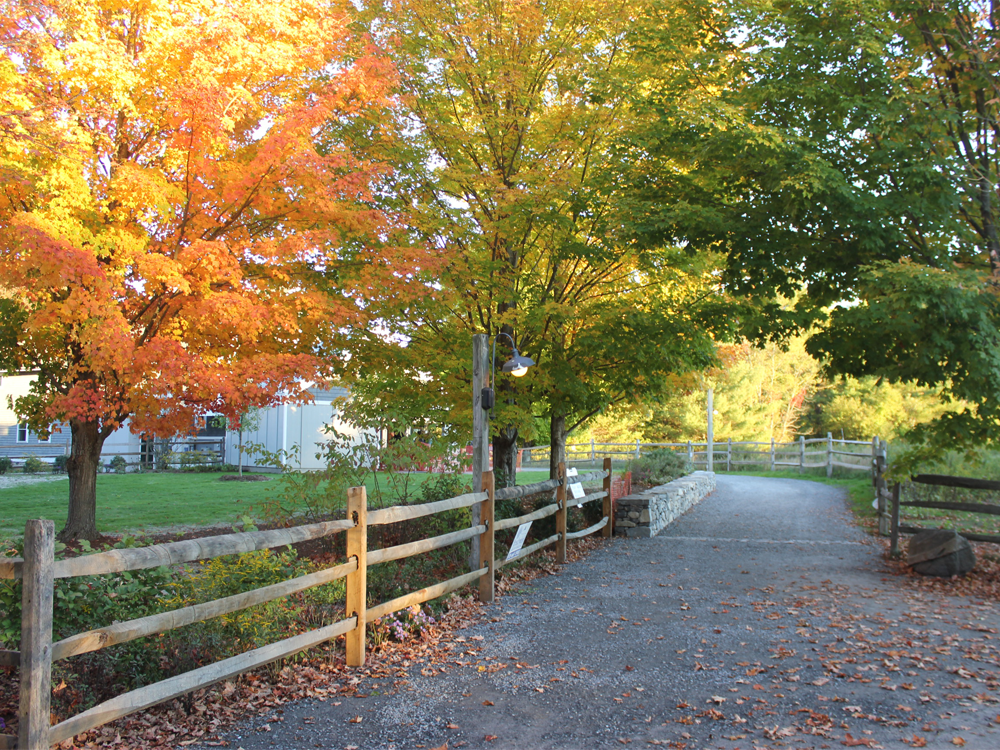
(511, 114)
(850, 151)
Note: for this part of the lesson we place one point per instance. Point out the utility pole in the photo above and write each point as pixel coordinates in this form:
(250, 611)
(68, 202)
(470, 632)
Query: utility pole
(711, 432)
(480, 432)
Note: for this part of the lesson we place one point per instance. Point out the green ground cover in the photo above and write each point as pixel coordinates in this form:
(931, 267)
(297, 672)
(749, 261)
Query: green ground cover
(154, 502)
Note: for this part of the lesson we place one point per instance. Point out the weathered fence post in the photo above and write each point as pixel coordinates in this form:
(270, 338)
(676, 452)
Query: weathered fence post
(802, 453)
(729, 452)
(481, 374)
(36, 635)
(894, 529)
(772, 454)
(607, 505)
(486, 540)
(561, 516)
(357, 582)
(882, 488)
(593, 456)
(829, 455)
(690, 453)
(637, 447)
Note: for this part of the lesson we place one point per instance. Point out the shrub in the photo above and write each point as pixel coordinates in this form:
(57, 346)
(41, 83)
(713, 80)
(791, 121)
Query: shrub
(192, 461)
(659, 467)
(443, 486)
(88, 602)
(33, 465)
(59, 464)
(5, 464)
(118, 465)
(234, 574)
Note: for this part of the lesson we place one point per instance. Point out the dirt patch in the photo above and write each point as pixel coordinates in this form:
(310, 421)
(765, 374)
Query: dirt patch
(244, 478)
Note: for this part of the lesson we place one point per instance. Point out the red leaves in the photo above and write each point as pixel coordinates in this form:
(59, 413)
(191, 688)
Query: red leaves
(850, 741)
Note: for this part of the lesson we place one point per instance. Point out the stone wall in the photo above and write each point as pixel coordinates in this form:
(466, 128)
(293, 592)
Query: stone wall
(648, 513)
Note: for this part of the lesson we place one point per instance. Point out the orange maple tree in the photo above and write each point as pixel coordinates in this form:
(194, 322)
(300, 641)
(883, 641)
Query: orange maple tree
(172, 242)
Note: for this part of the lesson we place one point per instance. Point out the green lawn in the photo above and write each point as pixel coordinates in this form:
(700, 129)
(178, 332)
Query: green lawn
(153, 502)
(136, 502)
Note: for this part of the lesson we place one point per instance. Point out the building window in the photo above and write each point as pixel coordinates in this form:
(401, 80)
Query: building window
(22, 433)
(45, 439)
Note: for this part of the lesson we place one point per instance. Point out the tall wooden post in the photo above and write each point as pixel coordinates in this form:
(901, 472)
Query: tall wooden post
(894, 530)
(561, 515)
(486, 587)
(802, 453)
(357, 582)
(772, 454)
(829, 454)
(480, 431)
(710, 432)
(882, 492)
(593, 456)
(608, 508)
(691, 453)
(729, 453)
(36, 635)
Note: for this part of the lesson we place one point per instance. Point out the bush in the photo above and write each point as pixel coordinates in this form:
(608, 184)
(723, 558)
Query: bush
(118, 465)
(33, 465)
(660, 467)
(88, 602)
(443, 487)
(234, 574)
(5, 464)
(59, 464)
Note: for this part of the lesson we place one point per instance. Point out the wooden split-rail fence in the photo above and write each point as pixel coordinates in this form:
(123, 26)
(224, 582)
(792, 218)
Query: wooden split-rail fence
(802, 454)
(941, 480)
(38, 570)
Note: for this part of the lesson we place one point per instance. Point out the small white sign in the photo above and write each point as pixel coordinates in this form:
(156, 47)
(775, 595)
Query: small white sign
(571, 471)
(519, 537)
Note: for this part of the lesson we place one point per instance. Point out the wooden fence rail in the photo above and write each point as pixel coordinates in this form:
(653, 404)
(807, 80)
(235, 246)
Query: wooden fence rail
(942, 480)
(832, 452)
(39, 569)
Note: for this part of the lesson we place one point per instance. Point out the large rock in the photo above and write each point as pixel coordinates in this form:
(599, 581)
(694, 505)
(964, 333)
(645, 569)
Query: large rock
(940, 552)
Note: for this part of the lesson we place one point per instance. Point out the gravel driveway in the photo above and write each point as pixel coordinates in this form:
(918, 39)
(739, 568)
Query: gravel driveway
(761, 618)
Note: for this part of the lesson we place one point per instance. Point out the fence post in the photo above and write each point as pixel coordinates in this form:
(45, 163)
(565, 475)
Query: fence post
(357, 582)
(637, 447)
(729, 453)
(690, 453)
(608, 506)
(802, 453)
(894, 530)
(882, 493)
(829, 455)
(772, 454)
(593, 456)
(486, 555)
(36, 635)
(561, 516)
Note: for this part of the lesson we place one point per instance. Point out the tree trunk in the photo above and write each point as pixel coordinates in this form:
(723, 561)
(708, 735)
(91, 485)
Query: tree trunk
(85, 454)
(557, 441)
(505, 457)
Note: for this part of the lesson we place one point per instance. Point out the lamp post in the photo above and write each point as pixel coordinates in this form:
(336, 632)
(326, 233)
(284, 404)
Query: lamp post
(483, 399)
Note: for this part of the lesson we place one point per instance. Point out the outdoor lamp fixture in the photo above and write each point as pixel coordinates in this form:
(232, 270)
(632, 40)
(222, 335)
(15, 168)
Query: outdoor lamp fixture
(517, 366)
